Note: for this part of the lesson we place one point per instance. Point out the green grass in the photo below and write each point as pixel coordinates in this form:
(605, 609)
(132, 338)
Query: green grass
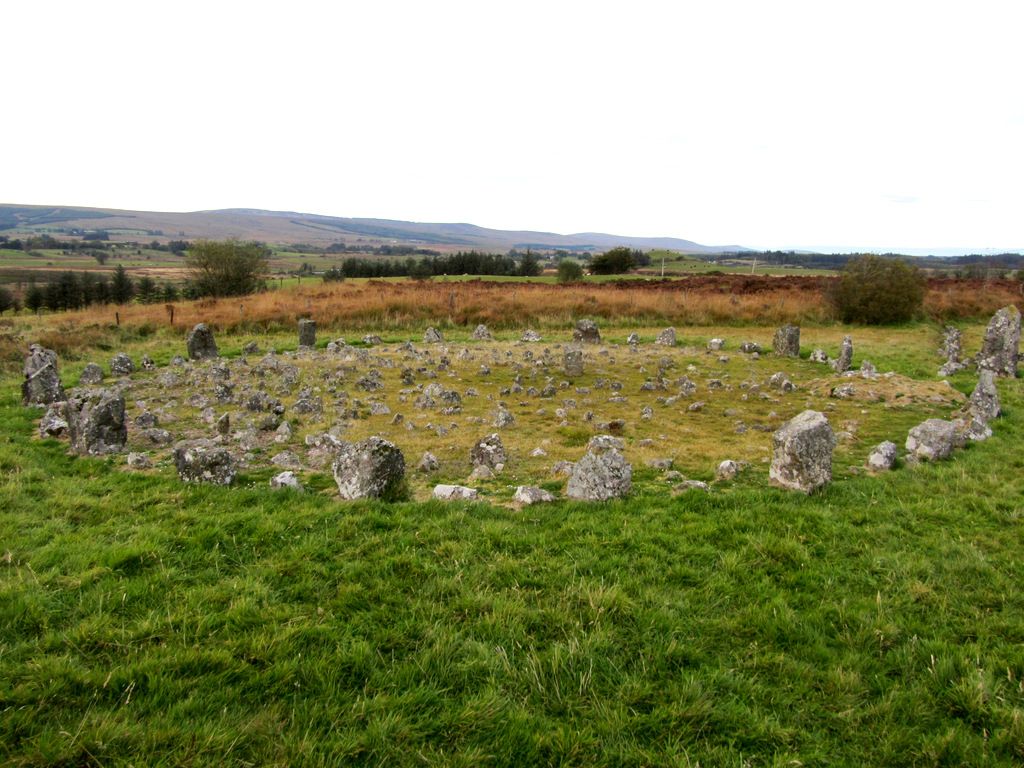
(143, 622)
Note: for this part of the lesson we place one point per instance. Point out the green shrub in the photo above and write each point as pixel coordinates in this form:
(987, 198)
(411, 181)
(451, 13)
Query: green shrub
(569, 271)
(876, 290)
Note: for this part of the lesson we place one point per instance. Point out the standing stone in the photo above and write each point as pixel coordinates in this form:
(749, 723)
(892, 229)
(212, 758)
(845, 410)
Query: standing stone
(802, 453)
(200, 343)
(307, 333)
(42, 383)
(951, 349)
(489, 452)
(882, 457)
(932, 440)
(370, 469)
(633, 339)
(92, 375)
(984, 404)
(96, 422)
(432, 336)
(1000, 349)
(587, 332)
(482, 333)
(667, 337)
(121, 365)
(842, 363)
(201, 461)
(787, 341)
(572, 361)
(53, 423)
(603, 473)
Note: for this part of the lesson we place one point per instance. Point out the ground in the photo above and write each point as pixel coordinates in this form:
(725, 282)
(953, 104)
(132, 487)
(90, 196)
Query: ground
(880, 622)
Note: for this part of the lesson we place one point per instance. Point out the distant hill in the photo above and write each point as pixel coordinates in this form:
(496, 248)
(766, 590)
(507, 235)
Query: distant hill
(287, 227)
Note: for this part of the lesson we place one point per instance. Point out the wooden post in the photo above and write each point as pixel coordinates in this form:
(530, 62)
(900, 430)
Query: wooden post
(117, 318)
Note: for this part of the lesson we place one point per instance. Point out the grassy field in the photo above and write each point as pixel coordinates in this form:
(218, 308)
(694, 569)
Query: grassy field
(143, 622)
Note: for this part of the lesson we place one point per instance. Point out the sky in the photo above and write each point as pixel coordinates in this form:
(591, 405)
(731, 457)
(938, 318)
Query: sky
(822, 125)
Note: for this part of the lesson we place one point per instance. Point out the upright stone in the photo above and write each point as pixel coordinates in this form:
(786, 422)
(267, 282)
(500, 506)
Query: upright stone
(984, 404)
(587, 332)
(802, 453)
(1000, 349)
(787, 341)
(42, 383)
(603, 473)
(489, 452)
(200, 343)
(307, 333)
(572, 360)
(96, 422)
(92, 375)
(432, 336)
(482, 333)
(842, 363)
(370, 469)
(667, 337)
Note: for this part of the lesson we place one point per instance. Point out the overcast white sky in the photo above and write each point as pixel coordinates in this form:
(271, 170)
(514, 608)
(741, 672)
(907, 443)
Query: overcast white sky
(863, 124)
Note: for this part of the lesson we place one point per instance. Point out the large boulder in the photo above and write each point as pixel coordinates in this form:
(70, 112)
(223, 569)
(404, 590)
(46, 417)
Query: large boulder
(96, 421)
(984, 404)
(202, 461)
(200, 343)
(667, 337)
(307, 333)
(1000, 349)
(587, 332)
(489, 452)
(572, 360)
(802, 453)
(42, 383)
(787, 341)
(370, 469)
(603, 473)
(932, 440)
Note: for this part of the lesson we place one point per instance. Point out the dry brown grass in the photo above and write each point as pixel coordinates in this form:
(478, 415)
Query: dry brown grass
(394, 305)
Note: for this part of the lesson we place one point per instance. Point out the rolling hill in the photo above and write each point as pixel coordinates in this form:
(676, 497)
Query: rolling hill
(286, 227)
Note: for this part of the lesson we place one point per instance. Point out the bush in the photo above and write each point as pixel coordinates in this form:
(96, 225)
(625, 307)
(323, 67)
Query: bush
(569, 271)
(613, 262)
(226, 268)
(875, 290)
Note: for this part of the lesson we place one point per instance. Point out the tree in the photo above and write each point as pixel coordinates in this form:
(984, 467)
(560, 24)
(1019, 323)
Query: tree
(35, 297)
(6, 300)
(876, 290)
(613, 262)
(121, 287)
(226, 267)
(569, 271)
(530, 265)
(147, 291)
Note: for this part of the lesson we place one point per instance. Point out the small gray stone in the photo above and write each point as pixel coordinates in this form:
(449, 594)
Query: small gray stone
(602, 473)
(586, 332)
(530, 336)
(727, 470)
(202, 462)
(482, 333)
(138, 461)
(307, 333)
(882, 457)
(666, 337)
(121, 365)
(286, 479)
(455, 493)
(489, 452)
(716, 345)
(529, 494)
(92, 375)
(428, 463)
(432, 336)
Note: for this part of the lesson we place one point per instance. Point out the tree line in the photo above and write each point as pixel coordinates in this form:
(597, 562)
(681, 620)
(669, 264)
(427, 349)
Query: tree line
(460, 263)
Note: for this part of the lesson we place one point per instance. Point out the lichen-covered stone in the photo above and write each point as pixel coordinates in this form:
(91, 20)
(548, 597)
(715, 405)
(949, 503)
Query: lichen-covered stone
(587, 332)
(984, 403)
(1001, 347)
(489, 452)
(842, 363)
(91, 375)
(787, 341)
(882, 457)
(932, 440)
(572, 361)
(121, 365)
(307, 333)
(96, 421)
(529, 494)
(373, 468)
(286, 479)
(482, 333)
(42, 382)
(802, 453)
(432, 336)
(454, 493)
(667, 337)
(202, 461)
(603, 473)
(200, 343)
